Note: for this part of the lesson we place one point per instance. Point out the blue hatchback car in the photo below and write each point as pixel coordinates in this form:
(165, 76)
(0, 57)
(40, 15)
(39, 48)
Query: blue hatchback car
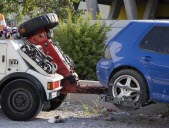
(135, 62)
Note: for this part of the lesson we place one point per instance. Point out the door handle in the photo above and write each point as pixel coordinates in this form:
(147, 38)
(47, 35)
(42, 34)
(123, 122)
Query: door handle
(3, 58)
(146, 58)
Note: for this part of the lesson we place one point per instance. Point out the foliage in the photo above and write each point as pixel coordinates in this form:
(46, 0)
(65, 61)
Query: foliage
(37, 7)
(8, 6)
(94, 109)
(83, 42)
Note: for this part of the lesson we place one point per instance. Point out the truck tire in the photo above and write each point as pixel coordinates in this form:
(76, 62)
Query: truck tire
(56, 102)
(21, 100)
(28, 28)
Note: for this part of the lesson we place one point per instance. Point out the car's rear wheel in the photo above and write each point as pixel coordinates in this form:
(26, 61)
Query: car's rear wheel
(129, 85)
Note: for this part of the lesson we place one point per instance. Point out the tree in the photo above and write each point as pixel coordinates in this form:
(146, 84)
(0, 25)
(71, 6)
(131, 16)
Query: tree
(8, 6)
(83, 42)
(29, 7)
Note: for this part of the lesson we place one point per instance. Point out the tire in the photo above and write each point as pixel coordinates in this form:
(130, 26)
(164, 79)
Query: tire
(56, 102)
(135, 81)
(47, 21)
(20, 100)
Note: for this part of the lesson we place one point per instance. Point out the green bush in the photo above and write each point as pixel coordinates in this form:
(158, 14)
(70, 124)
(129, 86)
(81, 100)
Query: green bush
(83, 41)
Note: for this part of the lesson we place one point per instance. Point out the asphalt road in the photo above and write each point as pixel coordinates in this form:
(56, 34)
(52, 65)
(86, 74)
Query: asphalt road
(75, 116)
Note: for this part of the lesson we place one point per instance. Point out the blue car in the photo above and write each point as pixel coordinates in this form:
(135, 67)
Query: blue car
(135, 63)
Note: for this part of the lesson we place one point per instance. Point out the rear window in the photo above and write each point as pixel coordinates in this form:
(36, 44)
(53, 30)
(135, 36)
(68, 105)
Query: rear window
(157, 40)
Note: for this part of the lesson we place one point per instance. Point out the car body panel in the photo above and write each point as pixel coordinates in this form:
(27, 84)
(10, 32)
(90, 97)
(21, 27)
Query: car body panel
(125, 51)
(157, 65)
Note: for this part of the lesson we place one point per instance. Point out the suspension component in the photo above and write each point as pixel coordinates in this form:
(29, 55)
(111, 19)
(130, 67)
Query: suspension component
(37, 55)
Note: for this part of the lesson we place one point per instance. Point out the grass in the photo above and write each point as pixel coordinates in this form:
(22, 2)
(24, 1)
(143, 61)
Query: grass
(95, 109)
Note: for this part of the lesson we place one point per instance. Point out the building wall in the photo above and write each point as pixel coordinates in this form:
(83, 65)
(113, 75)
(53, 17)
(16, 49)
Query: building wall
(104, 9)
(163, 11)
(140, 9)
(157, 10)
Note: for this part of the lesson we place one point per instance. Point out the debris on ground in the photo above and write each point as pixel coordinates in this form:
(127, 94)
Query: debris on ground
(56, 119)
(74, 116)
(110, 119)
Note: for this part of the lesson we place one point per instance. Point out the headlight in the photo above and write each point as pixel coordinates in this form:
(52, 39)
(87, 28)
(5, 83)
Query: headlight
(106, 53)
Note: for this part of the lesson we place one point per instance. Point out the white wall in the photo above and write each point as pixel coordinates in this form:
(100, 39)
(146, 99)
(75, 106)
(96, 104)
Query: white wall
(104, 9)
(116, 26)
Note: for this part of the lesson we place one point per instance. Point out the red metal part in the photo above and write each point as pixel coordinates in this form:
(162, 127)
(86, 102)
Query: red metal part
(70, 85)
(85, 89)
(41, 38)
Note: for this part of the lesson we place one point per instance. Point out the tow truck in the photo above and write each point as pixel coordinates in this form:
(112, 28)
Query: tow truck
(24, 86)
(35, 74)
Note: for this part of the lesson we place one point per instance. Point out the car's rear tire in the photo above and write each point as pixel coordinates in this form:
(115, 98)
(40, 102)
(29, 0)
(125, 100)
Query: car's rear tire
(20, 100)
(135, 81)
(28, 28)
(56, 102)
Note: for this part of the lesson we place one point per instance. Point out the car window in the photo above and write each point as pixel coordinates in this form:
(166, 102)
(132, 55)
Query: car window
(157, 40)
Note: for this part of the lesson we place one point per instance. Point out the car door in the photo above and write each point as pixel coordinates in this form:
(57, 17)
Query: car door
(154, 55)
